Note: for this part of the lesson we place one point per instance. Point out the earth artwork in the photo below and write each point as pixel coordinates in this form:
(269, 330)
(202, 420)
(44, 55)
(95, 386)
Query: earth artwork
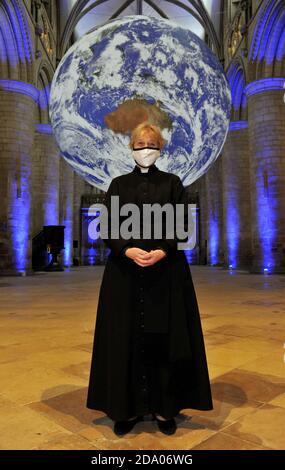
(134, 69)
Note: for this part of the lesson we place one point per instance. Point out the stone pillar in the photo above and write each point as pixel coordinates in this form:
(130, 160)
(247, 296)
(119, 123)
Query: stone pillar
(17, 119)
(193, 254)
(266, 119)
(214, 213)
(78, 191)
(66, 209)
(46, 158)
(236, 197)
(203, 220)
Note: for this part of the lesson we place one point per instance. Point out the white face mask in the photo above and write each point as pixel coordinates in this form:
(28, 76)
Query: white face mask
(146, 156)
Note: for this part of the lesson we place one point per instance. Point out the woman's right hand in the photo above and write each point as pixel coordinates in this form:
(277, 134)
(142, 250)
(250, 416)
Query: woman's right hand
(144, 258)
(138, 255)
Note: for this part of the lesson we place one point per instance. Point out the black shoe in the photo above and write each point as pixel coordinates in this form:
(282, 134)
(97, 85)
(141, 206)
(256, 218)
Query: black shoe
(167, 426)
(123, 427)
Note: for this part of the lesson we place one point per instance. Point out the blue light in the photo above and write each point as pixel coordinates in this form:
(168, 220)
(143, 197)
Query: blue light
(266, 220)
(67, 244)
(41, 96)
(281, 46)
(266, 210)
(20, 221)
(20, 190)
(43, 99)
(232, 228)
(15, 29)
(92, 251)
(50, 206)
(44, 128)
(237, 125)
(68, 237)
(237, 90)
(214, 235)
(243, 100)
(8, 54)
(17, 86)
(190, 254)
(264, 84)
(259, 29)
(92, 256)
(268, 37)
(236, 79)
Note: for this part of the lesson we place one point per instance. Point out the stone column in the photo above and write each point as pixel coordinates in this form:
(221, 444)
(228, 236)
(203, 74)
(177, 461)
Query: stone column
(203, 220)
(78, 191)
(236, 197)
(193, 254)
(66, 209)
(214, 213)
(46, 158)
(266, 119)
(18, 103)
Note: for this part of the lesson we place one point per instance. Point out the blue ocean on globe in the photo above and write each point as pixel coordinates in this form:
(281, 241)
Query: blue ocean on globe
(133, 69)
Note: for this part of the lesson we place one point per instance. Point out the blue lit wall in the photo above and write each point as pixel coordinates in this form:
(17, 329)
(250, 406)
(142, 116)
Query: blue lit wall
(20, 205)
(15, 29)
(266, 209)
(268, 45)
(266, 219)
(214, 239)
(232, 211)
(68, 232)
(236, 79)
(17, 48)
(268, 42)
(92, 251)
(19, 201)
(232, 230)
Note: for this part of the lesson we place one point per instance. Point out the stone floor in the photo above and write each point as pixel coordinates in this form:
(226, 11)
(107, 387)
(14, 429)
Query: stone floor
(47, 327)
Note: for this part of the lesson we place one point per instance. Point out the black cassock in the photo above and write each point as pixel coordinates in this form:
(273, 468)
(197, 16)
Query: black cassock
(148, 350)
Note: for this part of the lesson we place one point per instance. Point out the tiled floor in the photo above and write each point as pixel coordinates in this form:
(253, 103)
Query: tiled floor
(47, 326)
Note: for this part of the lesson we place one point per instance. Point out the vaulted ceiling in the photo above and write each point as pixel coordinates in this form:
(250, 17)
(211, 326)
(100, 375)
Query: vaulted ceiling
(200, 16)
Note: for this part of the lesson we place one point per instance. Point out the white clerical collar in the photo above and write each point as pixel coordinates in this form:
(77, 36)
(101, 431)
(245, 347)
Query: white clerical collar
(151, 169)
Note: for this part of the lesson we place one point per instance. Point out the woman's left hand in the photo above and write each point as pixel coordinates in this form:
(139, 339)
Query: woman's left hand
(150, 258)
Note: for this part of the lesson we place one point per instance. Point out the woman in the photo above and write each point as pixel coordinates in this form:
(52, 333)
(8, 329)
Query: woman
(148, 351)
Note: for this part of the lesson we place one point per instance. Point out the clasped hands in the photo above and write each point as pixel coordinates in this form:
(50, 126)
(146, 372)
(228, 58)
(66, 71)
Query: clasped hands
(144, 258)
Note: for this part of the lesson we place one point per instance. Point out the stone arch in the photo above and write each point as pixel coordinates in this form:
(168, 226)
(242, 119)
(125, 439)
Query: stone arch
(4, 70)
(44, 78)
(267, 49)
(237, 79)
(17, 51)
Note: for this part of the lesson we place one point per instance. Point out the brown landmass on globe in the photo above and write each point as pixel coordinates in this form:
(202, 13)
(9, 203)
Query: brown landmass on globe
(134, 111)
